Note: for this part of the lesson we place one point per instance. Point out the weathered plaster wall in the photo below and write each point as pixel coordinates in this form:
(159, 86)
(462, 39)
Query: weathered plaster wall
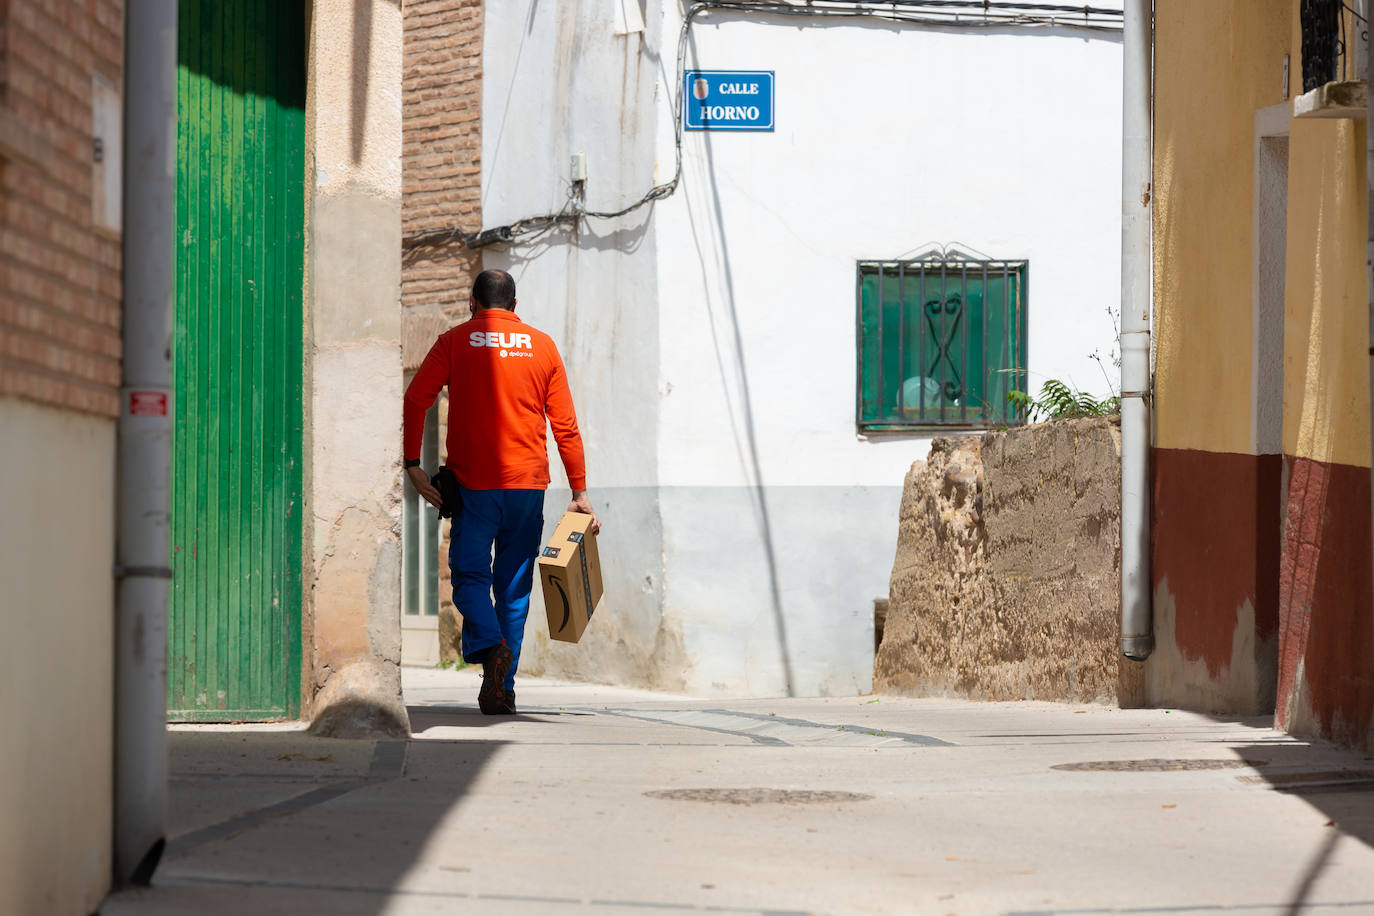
(1326, 363)
(773, 586)
(1326, 611)
(1203, 202)
(354, 364)
(710, 337)
(1217, 526)
(1326, 644)
(1217, 506)
(757, 253)
(1004, 585)
(559, 80)
(57, 659)
(1262, 561)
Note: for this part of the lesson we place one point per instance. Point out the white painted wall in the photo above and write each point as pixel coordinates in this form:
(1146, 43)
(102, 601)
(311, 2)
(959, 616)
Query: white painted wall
(887, 138)
(57, 659)
(557, 80)
(731, 409)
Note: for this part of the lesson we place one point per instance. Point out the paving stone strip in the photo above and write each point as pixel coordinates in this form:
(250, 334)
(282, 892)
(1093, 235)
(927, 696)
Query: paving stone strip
(388, 763)
(394, 892)
(778, 731)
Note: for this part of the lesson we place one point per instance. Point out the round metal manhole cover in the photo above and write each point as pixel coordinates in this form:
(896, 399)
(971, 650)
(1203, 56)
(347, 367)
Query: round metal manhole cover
(1157, 765)
(759, 796)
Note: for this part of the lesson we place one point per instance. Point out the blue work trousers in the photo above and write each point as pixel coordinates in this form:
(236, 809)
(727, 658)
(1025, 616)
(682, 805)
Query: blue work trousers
(492, 592)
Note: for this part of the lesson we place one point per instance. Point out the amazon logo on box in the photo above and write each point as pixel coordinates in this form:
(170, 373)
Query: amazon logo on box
(570, 573)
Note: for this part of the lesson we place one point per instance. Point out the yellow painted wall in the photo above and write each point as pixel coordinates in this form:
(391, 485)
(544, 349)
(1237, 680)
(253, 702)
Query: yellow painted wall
(1216, 63)
(57, 658)
(1326, 313)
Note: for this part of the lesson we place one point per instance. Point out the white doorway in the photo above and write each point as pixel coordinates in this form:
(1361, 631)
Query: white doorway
(1270, 252)
(1270, 249)
(420, 538)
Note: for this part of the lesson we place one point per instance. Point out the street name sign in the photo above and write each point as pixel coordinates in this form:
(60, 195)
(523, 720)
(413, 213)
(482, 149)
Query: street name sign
(728, 100)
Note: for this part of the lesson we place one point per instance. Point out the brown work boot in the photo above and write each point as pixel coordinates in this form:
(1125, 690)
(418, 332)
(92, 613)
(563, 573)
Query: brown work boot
(491, 699)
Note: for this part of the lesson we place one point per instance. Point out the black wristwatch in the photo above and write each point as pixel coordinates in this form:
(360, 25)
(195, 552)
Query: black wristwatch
(412, 463)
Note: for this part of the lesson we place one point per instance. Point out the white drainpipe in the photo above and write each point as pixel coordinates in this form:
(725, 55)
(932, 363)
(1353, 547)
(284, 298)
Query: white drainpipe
(145, 441)
(1137, 636)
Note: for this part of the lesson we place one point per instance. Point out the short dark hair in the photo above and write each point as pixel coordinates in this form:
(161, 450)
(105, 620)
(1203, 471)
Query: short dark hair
(494, 289)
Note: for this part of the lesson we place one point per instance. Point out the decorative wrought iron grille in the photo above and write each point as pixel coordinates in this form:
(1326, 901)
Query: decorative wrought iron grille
(1321, 42)
(941, 339)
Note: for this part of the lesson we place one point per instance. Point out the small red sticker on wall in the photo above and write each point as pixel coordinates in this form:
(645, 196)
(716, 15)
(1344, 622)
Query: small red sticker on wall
(147, 403)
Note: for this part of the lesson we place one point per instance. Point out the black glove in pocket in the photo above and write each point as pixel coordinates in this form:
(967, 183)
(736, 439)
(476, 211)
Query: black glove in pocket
(447, 485)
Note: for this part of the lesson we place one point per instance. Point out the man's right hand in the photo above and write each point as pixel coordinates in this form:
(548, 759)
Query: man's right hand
(420, 480)
(580, 503)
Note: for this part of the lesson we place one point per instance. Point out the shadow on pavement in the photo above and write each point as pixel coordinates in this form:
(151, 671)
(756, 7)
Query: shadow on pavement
(280, 821)
(423, 718)
(1336, 781)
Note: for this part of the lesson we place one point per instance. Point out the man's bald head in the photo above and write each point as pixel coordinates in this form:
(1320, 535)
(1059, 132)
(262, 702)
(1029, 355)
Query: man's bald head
(494, 289)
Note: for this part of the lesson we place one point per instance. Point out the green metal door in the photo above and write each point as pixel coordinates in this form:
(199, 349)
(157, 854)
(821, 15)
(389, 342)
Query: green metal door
(234, 647)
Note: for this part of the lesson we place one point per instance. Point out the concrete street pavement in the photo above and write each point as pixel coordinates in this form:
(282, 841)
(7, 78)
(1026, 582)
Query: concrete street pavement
(941, 806)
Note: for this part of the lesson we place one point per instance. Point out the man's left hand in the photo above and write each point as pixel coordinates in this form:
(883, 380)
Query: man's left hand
(581, 503)
(420, 480)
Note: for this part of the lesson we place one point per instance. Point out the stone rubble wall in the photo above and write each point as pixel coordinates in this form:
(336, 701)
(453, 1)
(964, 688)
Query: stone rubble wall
(1006, 580)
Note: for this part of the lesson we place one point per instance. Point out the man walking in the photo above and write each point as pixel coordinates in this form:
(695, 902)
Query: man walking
(505, 378)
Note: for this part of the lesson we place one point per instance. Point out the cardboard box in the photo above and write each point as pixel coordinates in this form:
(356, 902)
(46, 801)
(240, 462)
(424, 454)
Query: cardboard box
(570, 573)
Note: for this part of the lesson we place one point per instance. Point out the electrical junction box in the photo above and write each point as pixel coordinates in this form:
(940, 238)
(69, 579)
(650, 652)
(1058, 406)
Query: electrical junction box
(570, 574)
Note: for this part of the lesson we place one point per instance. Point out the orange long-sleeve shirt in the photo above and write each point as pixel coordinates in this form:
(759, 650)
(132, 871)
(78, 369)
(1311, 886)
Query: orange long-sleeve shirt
(504, 378)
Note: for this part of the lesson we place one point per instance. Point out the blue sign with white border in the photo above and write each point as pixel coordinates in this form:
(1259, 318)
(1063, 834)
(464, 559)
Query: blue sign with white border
(727, 100)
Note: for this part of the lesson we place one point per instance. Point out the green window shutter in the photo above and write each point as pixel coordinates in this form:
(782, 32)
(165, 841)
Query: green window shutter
(940, 343)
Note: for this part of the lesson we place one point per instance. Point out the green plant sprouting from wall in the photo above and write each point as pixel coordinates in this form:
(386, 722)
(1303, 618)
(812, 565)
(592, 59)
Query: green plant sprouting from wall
(1057, 401)
(1060, 401)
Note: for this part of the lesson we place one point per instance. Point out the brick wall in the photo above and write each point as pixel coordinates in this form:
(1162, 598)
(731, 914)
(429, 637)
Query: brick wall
(442, 149)
(59, 274)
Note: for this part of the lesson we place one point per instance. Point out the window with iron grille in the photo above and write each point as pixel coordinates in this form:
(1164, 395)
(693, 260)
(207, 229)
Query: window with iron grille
(941, 340)
(1323, 41)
